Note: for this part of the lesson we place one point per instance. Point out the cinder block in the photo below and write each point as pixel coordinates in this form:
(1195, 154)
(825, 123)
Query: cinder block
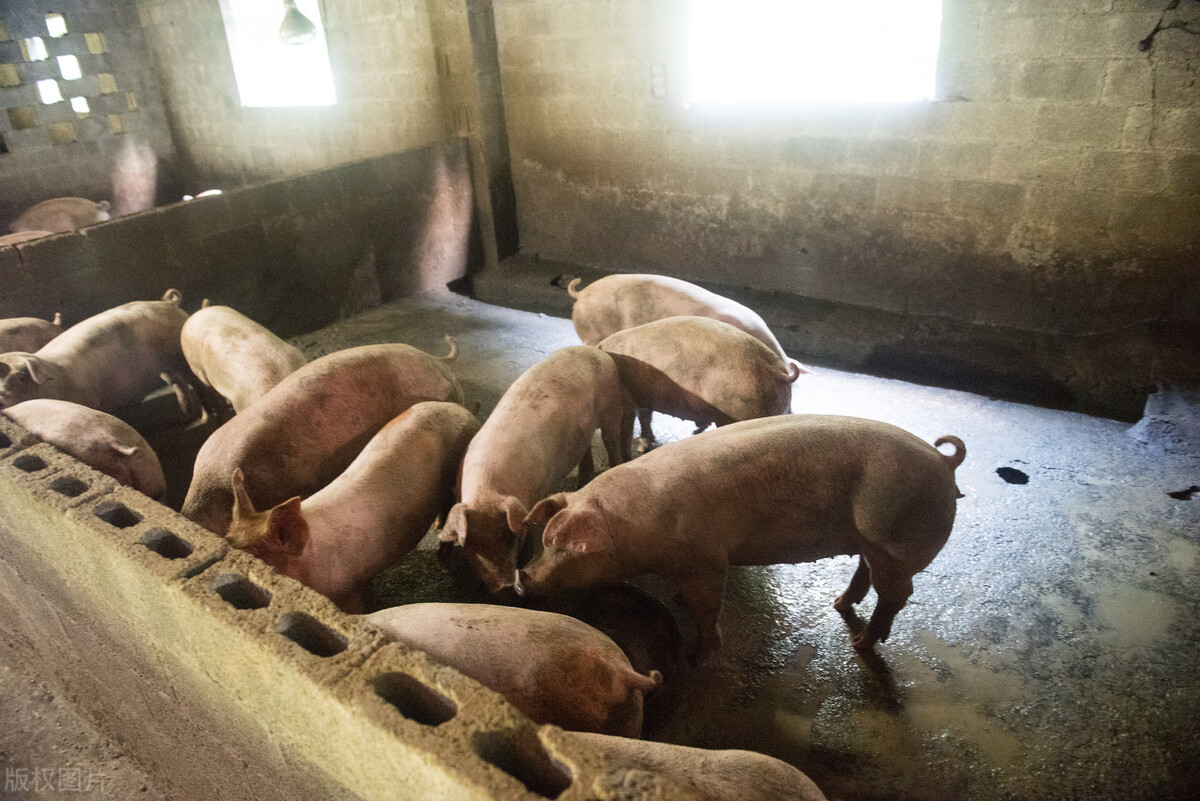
(1081, 126)
(1128, 82)
(986, 200)
(1178, 128)
(912, 194)
(44, 468)
(939, 159)
(1185, 174)
(1156, 221)
(1037, 163)
(13, 438)
(1064, 81)
(1126, 171)
(1069, 208)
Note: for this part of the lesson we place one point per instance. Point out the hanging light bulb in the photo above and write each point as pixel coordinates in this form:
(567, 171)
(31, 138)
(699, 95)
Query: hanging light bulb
(296, 28)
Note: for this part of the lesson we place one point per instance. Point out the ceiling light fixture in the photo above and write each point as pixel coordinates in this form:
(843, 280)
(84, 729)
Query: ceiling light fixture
(296, 29)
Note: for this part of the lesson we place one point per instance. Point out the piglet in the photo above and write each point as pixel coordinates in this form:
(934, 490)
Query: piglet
(699, 369)
(694, 774)
(61, 214)
(235, 356)
(95, 438)
(27, 334)
(541, 428)
(786, 489)
(307, 429)
(23, 236)
(369, 516)
(106, 362)
(553, 668)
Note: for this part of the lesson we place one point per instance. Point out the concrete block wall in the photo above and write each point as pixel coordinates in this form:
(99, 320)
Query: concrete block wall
(383, 62)
(227, 680)
(289, 253)
(1051, 187)
(120, 149)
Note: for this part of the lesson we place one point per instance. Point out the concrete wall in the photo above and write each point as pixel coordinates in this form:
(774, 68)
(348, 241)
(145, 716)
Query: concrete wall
(120, 150)
(1053, 186)
(229, 681)
(290, 253)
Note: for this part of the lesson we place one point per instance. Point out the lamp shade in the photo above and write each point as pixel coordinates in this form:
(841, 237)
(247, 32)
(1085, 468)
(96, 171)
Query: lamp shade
(296, 28)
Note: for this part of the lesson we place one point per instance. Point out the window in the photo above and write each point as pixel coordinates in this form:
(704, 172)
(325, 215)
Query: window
(777, 52)
(269, 72)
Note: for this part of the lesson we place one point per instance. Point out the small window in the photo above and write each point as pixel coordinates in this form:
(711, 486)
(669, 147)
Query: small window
(268, 71)
(780, 52)
(69, 67)
(80, 106)
(48, 91)
(34, 49)
(56, 25)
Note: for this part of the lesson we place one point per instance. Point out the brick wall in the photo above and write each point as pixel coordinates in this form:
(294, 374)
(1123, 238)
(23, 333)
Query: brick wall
(119, 149)
(383, 61)
(1054, 185)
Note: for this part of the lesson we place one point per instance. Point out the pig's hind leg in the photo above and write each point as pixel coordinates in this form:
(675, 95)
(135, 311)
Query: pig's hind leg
(893, 586)
(859, 585)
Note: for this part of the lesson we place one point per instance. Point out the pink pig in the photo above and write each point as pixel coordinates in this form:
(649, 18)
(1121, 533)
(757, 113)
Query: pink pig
(306, 430)
(784, 489)
(699, 369)
(368, 517)
(235, 356)
(27, 334)
(61, 214)
(541, 428)
(552, 667)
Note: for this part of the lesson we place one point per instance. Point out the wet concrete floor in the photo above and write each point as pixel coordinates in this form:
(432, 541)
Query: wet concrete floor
(1050, 651)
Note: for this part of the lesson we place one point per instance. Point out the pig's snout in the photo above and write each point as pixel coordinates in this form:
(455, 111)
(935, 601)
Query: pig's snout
(519, 582)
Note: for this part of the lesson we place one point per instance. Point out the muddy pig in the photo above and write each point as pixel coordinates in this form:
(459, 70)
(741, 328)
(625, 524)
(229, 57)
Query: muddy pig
(95, 438)
(552, 667)
(61, 214)
(27, 334)
(23, 236)
(779, 490)
(371, 515)
(235, 356)
(107, 361)
(541, 428)
(617, 302)
(307, 429)
(699, 369)
(697, 774)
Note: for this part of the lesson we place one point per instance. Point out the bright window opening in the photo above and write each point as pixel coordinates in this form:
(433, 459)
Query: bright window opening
(34, 49)
(80, 105)
(56, 24)
(48, 91)
(269, 72)
(69, 67)
(779, 52)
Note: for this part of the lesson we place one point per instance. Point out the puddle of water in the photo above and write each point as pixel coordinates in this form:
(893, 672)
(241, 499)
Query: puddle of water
(1133, 617)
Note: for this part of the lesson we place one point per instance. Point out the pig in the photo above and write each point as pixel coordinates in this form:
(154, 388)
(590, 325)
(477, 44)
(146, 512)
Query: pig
(309, 427)
(23, 236)
(235, 356)
(699, 369)
(27, 334)
(617, 302)
(371, 515)
(776, 490)
(700, 774)
(553, 668)
(61, 214)
(95, 438)
(105, 362)
(541, 428)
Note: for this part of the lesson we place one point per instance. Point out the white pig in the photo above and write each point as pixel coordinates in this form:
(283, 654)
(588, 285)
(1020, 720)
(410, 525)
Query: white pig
(27, 334)
(306, 430)
(369, 516)
(786, 489)
(552, 667)
(95, 438)
(107, 361)
(541, 428)
(699, 773)
(61, 214)
(238, 358)
(699, 369)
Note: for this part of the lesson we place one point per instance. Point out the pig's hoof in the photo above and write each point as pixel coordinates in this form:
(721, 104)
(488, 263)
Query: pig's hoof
(843, 604)
(864, 641)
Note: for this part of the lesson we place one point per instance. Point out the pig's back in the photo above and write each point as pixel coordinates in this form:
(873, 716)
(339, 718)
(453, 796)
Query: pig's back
(26, 334)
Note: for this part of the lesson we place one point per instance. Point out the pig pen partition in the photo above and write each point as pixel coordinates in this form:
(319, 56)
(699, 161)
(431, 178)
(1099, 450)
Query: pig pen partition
(293, 254)
(230, 681)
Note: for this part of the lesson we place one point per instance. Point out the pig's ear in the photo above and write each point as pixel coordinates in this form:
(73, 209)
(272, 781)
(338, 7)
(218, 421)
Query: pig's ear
(243, 507)
(455, 530)
(546, 508)
(588, 532)
(515, 511)
(287, 529)
(31, 367)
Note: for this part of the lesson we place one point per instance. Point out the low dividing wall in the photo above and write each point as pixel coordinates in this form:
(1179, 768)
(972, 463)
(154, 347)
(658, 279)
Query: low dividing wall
(229, 681)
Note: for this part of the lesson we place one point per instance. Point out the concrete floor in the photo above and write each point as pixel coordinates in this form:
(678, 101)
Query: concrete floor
(1050, 651)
